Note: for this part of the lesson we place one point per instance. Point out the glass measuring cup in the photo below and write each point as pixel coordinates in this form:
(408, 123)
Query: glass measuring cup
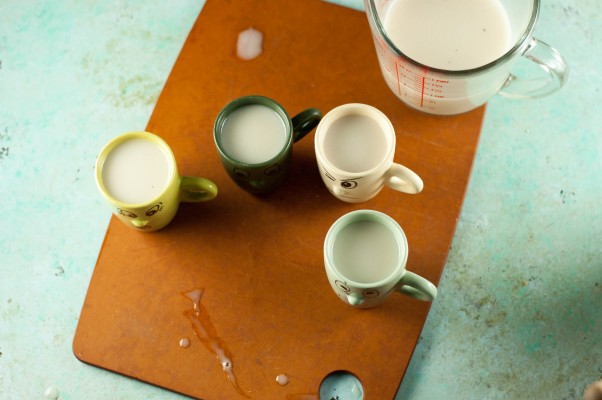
(446, 92)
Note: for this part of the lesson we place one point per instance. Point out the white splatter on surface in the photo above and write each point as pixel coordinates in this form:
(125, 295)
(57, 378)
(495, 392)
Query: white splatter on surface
(249, 44)
(282, 379)
(52, 393)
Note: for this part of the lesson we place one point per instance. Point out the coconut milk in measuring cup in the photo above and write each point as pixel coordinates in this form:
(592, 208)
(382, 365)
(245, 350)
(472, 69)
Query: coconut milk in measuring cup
(448, 57)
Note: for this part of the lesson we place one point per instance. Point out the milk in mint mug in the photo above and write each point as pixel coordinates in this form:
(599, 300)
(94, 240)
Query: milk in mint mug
(365, 255)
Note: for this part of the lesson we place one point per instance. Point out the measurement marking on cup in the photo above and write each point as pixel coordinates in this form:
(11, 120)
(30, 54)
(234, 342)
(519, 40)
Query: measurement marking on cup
(422, 93)
(398, 80)
(426, 70)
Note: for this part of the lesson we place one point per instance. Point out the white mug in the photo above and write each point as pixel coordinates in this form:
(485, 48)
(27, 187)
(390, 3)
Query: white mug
(365, 255)
(355, 146)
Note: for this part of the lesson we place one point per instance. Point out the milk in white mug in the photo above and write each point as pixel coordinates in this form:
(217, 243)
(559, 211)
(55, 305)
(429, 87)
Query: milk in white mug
(355, 143)
(355, 147)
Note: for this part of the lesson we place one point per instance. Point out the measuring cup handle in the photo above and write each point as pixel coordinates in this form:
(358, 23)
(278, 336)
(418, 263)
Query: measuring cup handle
(304, 122)
(403, 179)
(548, 59)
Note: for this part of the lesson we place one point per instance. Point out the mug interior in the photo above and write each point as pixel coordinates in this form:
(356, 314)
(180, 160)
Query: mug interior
(392, 228)
(237, 104)
(155, 169)
(372, 155)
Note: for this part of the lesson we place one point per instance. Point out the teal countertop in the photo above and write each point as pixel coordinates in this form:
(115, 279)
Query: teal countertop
(519, 314)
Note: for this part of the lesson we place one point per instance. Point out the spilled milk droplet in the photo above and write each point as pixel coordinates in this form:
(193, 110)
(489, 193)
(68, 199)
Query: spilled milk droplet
(356, 390)
(249, 44)
(282, 379)
(185, 343)
(51, 393)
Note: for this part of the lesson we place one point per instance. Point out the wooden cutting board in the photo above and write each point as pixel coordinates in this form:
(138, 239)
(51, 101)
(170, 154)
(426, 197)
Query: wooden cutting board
(266, 302)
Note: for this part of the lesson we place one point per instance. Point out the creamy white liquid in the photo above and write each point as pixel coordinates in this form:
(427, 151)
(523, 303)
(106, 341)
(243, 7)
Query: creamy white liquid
(449, 34)
(366, 252)
(136, 171)
(282, 379)
(203, 330)
(185, 343)
(253, 134)
(249, 44)
(355, 143)
(52, 393)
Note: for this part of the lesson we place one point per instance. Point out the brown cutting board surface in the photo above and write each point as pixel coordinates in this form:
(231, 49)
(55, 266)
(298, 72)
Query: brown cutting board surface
(266, 301)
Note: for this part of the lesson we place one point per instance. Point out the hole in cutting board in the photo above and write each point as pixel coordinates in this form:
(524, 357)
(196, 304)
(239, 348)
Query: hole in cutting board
(341, 385)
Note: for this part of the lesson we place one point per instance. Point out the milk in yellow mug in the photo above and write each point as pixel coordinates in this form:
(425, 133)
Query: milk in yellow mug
(136, 173)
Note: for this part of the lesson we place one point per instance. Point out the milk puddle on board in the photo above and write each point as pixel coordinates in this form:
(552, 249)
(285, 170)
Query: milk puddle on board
(206, 333)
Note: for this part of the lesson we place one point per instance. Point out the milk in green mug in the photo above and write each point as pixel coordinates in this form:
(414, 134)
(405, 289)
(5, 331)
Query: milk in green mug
(254, 137)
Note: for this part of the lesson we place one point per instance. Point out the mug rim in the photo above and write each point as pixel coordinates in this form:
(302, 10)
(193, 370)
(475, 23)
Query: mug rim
(116, 141)
(355, 109)
(370, 215)
(518, 44)
(242, 101)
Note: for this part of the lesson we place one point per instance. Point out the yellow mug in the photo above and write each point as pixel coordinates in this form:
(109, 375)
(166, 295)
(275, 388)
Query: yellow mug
(136, 173)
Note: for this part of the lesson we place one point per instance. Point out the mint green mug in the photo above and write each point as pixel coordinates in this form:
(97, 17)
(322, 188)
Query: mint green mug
(365, 255)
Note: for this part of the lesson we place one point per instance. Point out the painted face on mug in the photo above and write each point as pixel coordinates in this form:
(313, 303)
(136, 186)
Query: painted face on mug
(342, 187)
(139, 223)
(245, 174)
(255, 180)
(345, 290)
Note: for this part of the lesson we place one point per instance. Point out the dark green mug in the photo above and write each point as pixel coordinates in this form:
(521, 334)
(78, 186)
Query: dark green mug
(254, 137)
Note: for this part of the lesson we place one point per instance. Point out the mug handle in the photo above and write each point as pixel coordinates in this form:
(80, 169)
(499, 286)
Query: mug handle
(304, 122)
(193, 189)
(415, 286)
(550, 61)
(403, 179)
